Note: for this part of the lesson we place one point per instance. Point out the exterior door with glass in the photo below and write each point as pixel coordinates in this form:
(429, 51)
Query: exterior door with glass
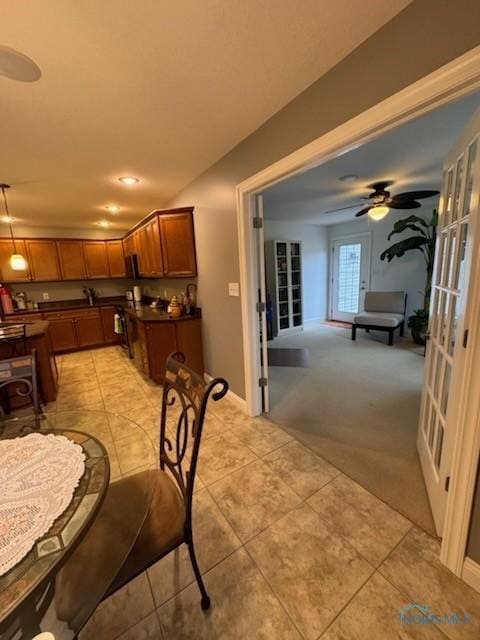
(350, 276)
(450, 312)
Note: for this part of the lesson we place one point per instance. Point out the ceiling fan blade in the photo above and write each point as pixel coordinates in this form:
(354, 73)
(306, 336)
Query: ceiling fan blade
(352, 206)
(362, 212)
(408, 204)
(414, 195)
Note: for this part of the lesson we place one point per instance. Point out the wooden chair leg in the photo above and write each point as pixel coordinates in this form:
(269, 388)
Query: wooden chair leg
(205, 601)
(390, 337)
(354, 332)
(402, 329)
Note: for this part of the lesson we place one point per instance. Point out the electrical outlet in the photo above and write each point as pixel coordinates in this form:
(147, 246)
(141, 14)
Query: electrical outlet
(46, 295)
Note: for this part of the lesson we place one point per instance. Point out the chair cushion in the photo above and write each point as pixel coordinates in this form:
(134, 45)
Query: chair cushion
(379, 319)
(110, 537)
(385, 301)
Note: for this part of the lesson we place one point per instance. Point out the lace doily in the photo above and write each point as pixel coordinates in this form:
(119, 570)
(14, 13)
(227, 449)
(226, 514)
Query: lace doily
(38, 475)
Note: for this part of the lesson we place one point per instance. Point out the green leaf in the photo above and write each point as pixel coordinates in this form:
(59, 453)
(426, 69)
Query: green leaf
(398, 249)
(412, 223)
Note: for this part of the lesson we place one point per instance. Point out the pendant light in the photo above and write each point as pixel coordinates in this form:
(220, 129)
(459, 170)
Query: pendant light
(17, 261)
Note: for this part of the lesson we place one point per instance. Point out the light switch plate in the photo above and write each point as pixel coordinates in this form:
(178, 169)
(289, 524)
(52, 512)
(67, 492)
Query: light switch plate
(233, 289)
(46, 295)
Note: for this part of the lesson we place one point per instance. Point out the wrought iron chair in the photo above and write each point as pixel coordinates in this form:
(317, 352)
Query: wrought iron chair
(169, 522)
(22, 372)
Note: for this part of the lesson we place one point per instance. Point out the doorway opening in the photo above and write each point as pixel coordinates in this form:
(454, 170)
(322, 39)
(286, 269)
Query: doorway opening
(258, 183)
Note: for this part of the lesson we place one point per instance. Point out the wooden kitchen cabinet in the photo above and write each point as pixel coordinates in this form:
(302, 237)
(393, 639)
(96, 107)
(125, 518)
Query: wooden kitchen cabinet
(153, 342)
(178, 244)
(116, 260)
(107, 315)
(43, 260)
(7, 273)
(129, 245)
(72, 259)
(89, 330)
(96, 259)
(62, 334)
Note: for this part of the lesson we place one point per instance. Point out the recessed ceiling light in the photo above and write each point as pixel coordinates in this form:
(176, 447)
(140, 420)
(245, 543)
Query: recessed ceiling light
(128, 180)
(103, 223)
(8, 219)
(112, 208)
(350, 177)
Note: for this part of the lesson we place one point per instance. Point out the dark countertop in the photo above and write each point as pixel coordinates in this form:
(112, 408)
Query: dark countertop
(146, 314)
(66, 305)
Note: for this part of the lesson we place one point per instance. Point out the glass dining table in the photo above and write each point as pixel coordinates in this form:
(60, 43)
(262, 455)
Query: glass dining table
(114, 448)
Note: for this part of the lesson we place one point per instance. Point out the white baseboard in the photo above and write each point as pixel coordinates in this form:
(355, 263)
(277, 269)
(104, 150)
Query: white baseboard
(471, 573)
(230, 395)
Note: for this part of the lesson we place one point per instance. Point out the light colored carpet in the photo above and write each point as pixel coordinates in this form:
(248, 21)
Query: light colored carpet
(357, 406)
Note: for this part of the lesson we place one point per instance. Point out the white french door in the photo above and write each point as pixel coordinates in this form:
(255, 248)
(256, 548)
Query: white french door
(449, 317)
(350, 276)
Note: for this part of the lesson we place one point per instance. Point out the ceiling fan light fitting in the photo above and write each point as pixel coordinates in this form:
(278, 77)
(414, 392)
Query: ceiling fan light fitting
(378, 213)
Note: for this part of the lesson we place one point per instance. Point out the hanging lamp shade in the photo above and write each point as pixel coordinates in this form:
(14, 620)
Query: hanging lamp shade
(17, 261)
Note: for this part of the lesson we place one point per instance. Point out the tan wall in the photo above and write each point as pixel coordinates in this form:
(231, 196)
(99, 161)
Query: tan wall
(423, 37)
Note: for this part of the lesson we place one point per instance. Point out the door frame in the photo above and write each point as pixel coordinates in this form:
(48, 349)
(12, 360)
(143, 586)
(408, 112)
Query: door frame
(349, 236)
(451, 81)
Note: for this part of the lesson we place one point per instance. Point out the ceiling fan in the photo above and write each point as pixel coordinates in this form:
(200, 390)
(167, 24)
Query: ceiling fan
(380, 200)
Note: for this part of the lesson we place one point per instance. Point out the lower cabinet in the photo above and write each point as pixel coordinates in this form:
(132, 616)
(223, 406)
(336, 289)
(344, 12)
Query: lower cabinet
(62, 334)
(153, 342)
(71, 330)
(89, 331)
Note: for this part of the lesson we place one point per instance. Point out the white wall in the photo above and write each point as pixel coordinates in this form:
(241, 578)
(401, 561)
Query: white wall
(402, 274)
(314, 239)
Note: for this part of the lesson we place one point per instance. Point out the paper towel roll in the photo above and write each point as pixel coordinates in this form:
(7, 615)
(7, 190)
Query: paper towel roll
(137, 293)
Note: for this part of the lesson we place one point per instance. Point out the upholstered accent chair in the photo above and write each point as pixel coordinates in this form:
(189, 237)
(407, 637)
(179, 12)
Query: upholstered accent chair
(384, 311)
(169, 521)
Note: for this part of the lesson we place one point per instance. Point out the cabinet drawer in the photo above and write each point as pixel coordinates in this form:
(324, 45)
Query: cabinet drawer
(74, 314)
(28, 317)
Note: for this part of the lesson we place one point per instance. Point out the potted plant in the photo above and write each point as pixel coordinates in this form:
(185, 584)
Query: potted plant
(423, 241)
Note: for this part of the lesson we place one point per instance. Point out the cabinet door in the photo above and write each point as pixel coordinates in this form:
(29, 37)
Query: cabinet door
(96, 258)
(89, 331)
(116, 260)
(143, 251)
(189, 342)
(161, 342)
(129, 245)
(155, 248)
(108, 314)
(6, 271)
(178, 244)
(43, 260)
(62, 335)
(72, 259)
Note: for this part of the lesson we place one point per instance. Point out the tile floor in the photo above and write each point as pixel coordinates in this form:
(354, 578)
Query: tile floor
(290, 547)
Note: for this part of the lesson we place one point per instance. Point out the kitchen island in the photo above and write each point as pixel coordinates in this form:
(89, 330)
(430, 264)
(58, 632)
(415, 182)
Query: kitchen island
(36, 337)
(154, 335)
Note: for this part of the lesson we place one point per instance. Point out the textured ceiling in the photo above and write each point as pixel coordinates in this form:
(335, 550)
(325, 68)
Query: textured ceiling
(158, 89)
(412, 155)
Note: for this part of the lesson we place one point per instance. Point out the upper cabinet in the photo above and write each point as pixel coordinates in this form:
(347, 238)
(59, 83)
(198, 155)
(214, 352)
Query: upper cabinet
(96, 259)
(72, 259)
(116, 260)
(164, 245)
(42, 260)
(7, 273)
(178, 244)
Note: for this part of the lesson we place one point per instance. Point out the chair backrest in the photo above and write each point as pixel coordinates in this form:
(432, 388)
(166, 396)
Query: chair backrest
(385, 301)
(22, 371)
(184, 402)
